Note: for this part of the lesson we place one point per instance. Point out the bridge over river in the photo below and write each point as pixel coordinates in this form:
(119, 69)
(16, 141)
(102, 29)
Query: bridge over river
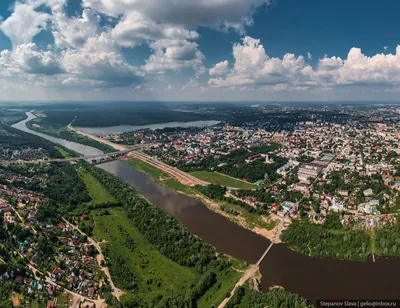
(312, 278)
(94, 158)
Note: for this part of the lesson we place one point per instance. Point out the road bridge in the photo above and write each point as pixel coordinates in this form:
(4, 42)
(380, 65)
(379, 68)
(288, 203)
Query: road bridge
(63, 160)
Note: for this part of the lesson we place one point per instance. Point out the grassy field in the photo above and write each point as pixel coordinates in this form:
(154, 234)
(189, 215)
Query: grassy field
(252, 220)
(226, 280)
(63, 300)
(155, 274)
(147, 168)
(96, 190)
(220, 179)
(160, 176)
(63, 152)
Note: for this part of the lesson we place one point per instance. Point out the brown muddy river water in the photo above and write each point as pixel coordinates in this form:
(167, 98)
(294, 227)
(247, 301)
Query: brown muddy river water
(312, 278)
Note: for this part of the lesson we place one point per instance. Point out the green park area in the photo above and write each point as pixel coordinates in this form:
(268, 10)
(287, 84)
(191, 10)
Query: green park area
(160, 176)
(137, 265)
(220, 179)
(96, 190)
(134, 263)
(63, 152)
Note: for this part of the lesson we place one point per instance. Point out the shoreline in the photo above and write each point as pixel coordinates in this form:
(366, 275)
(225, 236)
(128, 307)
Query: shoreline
(211, 204)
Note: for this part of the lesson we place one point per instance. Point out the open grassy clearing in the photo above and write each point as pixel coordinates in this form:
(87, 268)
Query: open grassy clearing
(154, 273)
(63, 300)
(220, 179)
(147, 168)
(252, 220)
(63, 152)
(217, 293)
(160, 176)
(95, 189)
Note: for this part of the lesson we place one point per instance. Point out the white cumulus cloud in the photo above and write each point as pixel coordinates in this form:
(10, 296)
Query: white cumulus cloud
(100, 59)
(24, 23)
(27, 58)
(219, 14)
(254, 68)
(219, 69)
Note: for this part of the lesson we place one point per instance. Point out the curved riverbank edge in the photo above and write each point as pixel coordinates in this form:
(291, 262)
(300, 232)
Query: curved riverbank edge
(311, 278)
(130, 128)
(211, 204)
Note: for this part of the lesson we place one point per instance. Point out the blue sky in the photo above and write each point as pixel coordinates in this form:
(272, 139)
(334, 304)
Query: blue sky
(199, 50)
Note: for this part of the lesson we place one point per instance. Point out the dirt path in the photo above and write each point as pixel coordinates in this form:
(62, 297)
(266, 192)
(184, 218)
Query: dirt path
(250, 273)
(77, 298)
(100, 259)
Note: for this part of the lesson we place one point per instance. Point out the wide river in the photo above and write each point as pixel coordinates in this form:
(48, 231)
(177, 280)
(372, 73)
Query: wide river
(312, 278)
(131, 128)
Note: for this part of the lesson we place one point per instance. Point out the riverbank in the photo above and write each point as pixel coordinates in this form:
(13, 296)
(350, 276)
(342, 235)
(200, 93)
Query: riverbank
(182, 182)
(59, 131)
(108, 143)
(282, 266)
(249, 221)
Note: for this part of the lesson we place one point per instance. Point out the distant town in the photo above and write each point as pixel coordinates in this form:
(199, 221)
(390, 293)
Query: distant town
(323, 180)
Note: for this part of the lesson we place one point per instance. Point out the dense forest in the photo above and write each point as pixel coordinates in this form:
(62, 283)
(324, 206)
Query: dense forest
(235, 165)
(217, 192)
(387, 241)
(172, 239)
(15, 139)
(11, 116)
(275, 297)
(120, 115)
(317, 241)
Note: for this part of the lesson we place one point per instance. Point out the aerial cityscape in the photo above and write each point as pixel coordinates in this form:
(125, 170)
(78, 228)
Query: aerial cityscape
(199, 154)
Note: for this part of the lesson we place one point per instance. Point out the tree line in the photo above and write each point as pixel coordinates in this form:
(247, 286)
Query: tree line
(275, 297)
(317, 241)
(161, 229)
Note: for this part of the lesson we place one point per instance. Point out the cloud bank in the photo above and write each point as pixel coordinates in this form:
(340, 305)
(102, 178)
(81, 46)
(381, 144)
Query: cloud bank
(88, 50)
